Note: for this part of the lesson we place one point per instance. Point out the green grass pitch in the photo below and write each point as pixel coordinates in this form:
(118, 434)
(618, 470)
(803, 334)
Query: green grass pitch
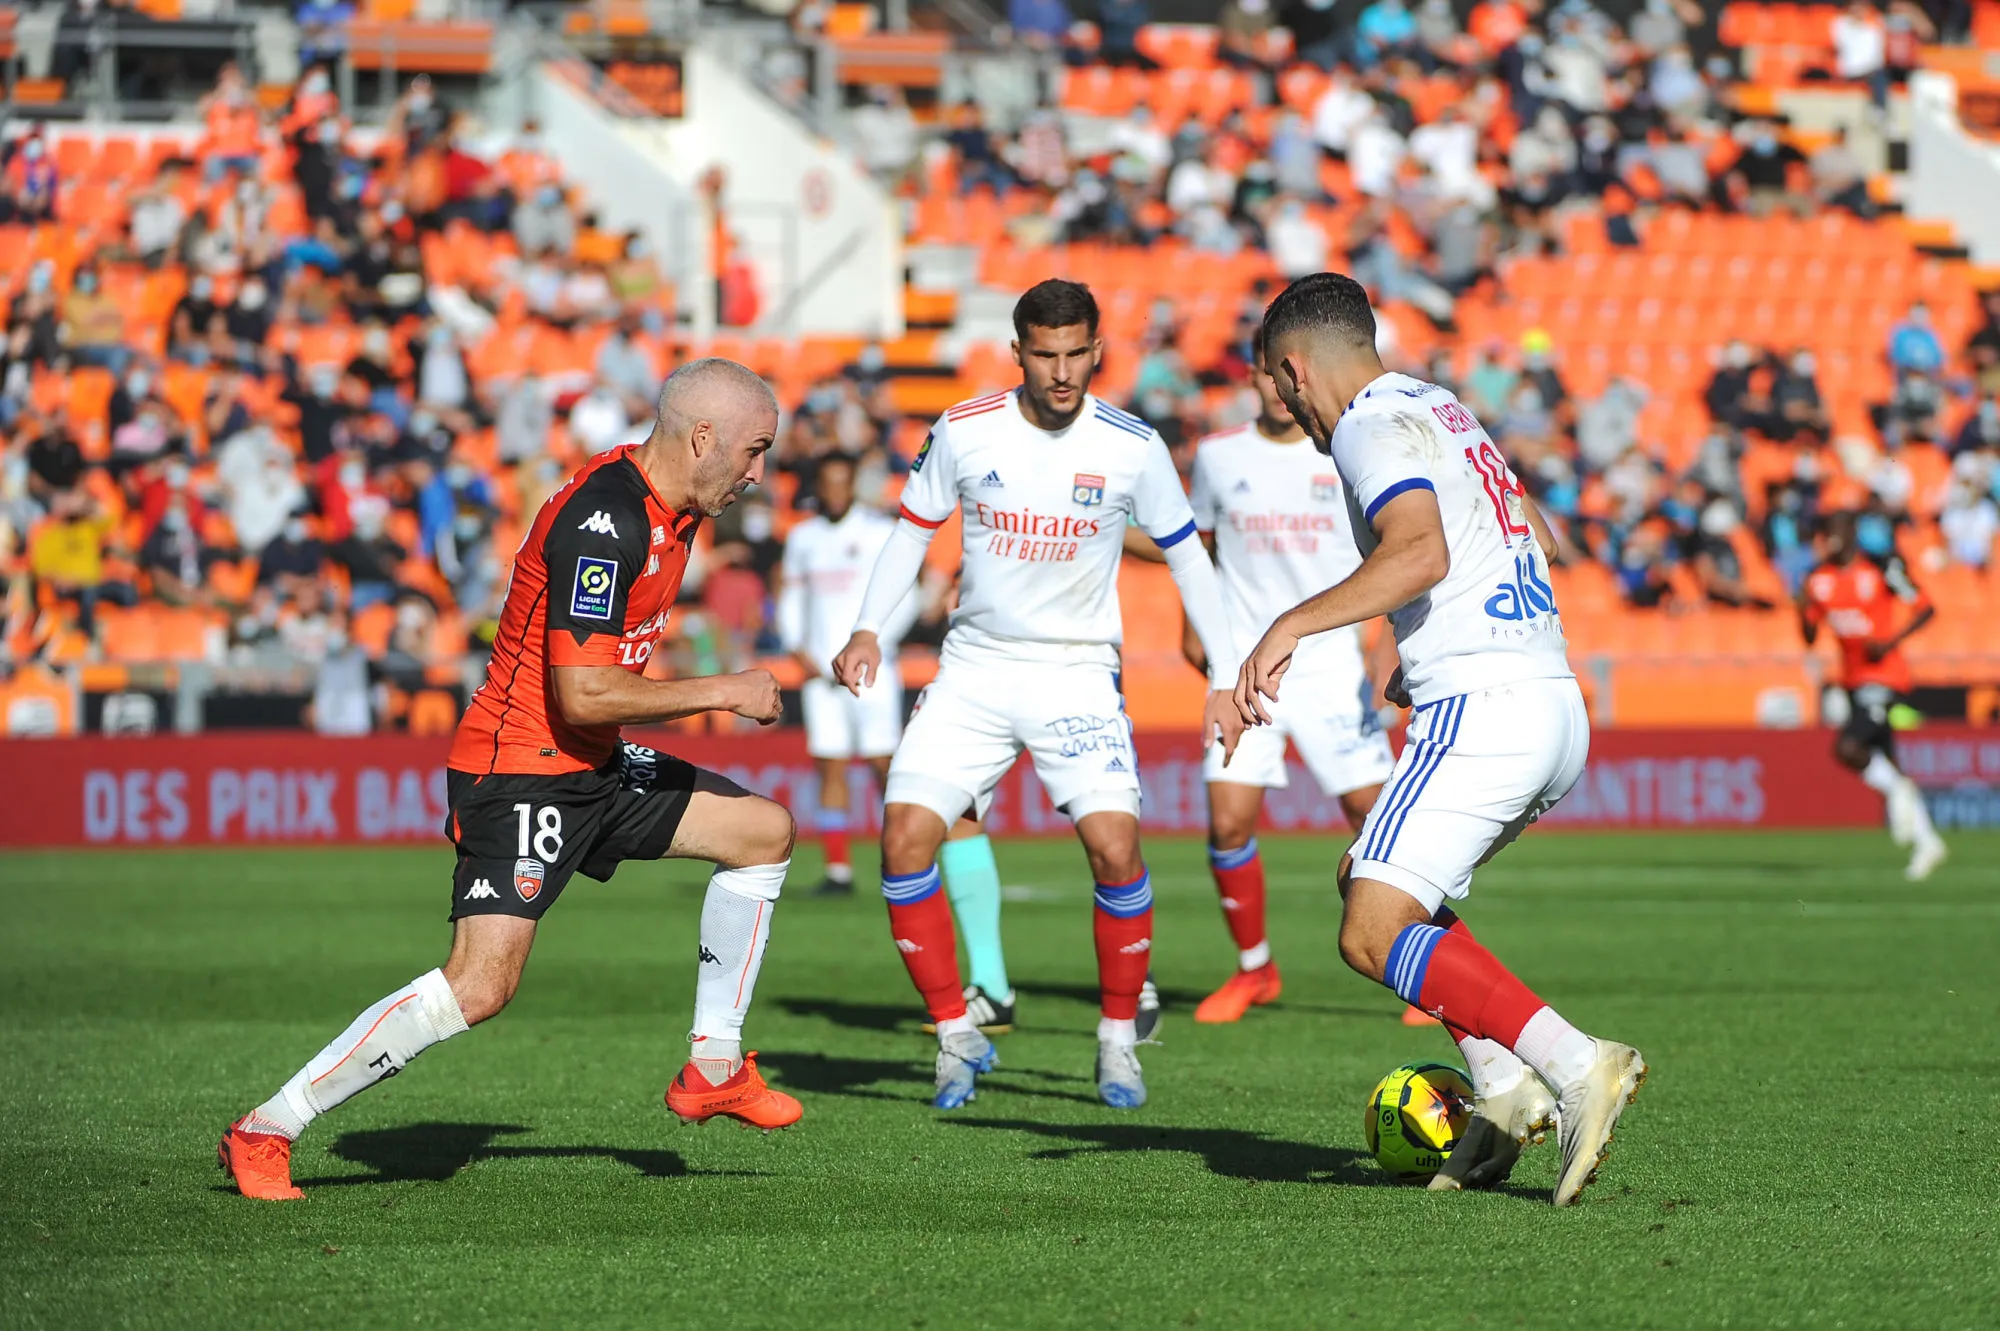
(1814, 1147)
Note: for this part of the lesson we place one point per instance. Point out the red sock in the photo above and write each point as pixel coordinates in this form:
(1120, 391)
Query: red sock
(1457, 926)
(1239, 880)
(1123, 929)
(1447, 973)
(920, 922)
(834, 841)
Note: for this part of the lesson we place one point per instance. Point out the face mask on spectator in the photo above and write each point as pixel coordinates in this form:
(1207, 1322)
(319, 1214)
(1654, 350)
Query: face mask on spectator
(336, 641)
(39, 278)
(420, 101)
(177, 475)
(871, 359)
(1803, 365)
(757, 523)
(458, 475)
(295, 531)
(392, 213)
(32, 150)
(548, 196)
(86, 283)
(138, 383)
(252, 296)
(202, 288)
(353, 475)
(315, 84)
(175, 519)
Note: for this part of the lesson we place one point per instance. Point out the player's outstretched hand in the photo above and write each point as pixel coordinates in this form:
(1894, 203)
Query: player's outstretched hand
(757, 696)
(858, 663)
(1262, 670)
(1221, 723)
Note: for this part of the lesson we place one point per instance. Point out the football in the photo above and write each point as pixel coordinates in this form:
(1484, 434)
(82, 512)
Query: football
(1415, 1116)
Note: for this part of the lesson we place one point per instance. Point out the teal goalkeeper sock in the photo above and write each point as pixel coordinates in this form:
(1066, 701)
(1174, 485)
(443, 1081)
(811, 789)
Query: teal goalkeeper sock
(972, 881)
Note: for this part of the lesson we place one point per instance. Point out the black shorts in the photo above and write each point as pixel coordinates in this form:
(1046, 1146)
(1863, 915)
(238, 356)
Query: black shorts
(1868, 717)
(520, 837)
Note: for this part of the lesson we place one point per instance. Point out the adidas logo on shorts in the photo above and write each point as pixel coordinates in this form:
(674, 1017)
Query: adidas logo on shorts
(481, 888)
(1242, 487)
(1115, 765)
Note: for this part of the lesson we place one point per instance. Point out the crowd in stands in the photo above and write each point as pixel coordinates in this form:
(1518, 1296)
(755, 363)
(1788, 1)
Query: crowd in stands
(1489, 179)
(282, 395)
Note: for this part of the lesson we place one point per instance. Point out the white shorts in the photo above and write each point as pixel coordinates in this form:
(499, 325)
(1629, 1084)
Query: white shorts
(840, 725)
(1478, 769)
(973, 721)
(1333, 728)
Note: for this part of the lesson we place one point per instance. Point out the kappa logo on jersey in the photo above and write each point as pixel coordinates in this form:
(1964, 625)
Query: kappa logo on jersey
(906, 946)
(991, 481)
(481, 889)
(659, 536)
(1087, 490)
(599, 522)
(528, 876)
(917, 463)
(596, 581)
(707, 958)
(1326, 489)
(652, 566)
(1134, 949)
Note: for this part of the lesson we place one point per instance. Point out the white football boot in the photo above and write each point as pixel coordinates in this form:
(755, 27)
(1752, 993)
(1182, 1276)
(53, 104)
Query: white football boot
(1501, 1126)
(1588, 1111)
(1928, 855)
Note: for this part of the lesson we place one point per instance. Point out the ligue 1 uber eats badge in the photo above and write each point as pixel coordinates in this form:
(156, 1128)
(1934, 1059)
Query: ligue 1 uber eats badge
(528, 879)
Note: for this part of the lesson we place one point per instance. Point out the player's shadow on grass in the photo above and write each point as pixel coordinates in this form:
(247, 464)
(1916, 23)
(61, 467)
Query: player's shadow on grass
(855, 1016)
(434, 1152)
(1090, 994)
(820, 1074)
(1230, 1152)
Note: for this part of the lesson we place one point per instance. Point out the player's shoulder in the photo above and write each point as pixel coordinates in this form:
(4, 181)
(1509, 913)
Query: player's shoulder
(1116, 421)
(607, 498)
(974, 418)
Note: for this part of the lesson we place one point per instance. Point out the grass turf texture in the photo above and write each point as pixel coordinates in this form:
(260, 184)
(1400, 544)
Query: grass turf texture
(1813, 1149)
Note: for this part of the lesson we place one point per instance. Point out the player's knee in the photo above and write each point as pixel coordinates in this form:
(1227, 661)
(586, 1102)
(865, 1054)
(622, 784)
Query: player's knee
(771, 835)
(1231, 831)
(909, 839)
(482, 991)
(1363, 952)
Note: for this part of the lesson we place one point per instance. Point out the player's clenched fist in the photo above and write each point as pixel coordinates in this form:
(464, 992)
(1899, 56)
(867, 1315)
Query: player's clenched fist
(858, 663)
(757, 696)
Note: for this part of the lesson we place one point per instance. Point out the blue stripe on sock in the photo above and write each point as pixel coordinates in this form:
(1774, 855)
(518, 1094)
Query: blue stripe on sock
(1233, 859)
(910, 888)
(1125, 900)
(831, 820)
(1409, 958)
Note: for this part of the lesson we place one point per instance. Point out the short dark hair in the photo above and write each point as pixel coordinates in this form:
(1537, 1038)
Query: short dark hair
(1055, 304)
(1328, 305)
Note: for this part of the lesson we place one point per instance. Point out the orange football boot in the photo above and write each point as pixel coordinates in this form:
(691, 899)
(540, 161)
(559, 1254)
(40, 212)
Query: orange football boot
(1241, 992)
(260, 1162)
(744, 1097)
(1416, 1016)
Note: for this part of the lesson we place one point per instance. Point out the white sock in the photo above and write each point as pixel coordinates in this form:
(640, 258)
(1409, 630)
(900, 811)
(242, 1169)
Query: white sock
(1494, 1069)
(1920, 812)
(735, 926)
(840, 873)
(375, 1046)
(1117, 1030)
(962, 1024)
(715, 1059)
(1557, 1050)
(1880, 775)
(1251, 958)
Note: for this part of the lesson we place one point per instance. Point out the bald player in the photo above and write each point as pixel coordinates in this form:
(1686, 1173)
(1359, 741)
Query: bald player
(541, 785)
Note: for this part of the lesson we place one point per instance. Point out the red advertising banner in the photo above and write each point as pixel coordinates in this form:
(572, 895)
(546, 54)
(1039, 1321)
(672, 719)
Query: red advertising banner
(294, 788)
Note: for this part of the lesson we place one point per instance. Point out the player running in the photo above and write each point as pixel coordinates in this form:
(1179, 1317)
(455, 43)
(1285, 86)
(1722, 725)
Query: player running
(1045, 476)
(826, 565)
(1452, 552)
(1872, 606)
(1272, 512)
(541, 786)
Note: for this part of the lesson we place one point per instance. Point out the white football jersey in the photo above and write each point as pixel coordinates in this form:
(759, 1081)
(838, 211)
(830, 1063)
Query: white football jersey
(826, 571)
(1492, 620)
(1282, 534)
(1044, 516)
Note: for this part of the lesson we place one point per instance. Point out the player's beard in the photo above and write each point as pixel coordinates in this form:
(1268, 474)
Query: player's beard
(1047, 409)
(723, 481)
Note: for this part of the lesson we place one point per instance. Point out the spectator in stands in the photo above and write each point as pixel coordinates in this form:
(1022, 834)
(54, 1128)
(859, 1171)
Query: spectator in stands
(1913, 410)
(290, 564)
(1982, 350)
(1761, 181)
(1118, 24)
(1796, 402)
(1676, 86)
(1906, 28)
(1385, 29)
(1039, 25)
(543, 223)
(1981, 431)
(66, 552)
(1642, 566)
(30, 182)
(1341, 107)
(174, 559)
(886, 133)
(1860, 50)
(1838, 178)
(1728, 391)
(1718, 566)
(1244, 31)
(1316, 33)
(156, 220)
(93, 324)
(1663, 24)
(1608, 428)
(1489, 383)
(1970, 519)
(1914, 344)
(55, 463)
(322, 30)
(978, 154)
(1538, 367)
(234, 126)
